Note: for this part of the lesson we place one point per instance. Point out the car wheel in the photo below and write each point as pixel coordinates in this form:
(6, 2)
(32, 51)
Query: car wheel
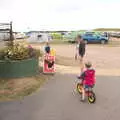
(86, 42)
(102, 41)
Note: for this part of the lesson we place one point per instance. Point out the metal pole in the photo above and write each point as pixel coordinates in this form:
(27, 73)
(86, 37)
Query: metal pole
(11, 34)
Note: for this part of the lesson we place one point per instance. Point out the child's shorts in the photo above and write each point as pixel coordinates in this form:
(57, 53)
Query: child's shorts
(88, 86)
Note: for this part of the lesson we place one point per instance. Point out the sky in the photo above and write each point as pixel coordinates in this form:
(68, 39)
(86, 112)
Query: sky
(38, 15)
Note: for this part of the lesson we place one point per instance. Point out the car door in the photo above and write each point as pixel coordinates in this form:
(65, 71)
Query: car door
(91, 38)
(95, 38)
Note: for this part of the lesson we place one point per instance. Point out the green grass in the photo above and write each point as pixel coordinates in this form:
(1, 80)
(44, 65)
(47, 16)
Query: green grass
(10, 92)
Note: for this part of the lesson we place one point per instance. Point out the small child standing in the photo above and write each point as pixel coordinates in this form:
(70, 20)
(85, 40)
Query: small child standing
(47, 48)
(88, 78)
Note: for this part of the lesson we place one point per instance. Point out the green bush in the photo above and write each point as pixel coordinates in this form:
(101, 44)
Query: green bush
(18, 52)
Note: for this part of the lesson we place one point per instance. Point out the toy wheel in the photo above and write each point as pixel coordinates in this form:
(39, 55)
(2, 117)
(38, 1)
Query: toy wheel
(92, 98)
(79, 88)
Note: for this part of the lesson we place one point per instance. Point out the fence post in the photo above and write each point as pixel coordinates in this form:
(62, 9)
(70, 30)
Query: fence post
(11, 34)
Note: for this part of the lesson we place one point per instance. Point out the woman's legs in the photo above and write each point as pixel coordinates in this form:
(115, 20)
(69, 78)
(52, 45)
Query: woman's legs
(81, 58)
(81, 64)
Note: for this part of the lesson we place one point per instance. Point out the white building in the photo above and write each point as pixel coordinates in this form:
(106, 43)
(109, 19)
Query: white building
(38, 36)
(4, 36)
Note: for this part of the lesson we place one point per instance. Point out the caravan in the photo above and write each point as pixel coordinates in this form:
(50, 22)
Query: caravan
(38, 36)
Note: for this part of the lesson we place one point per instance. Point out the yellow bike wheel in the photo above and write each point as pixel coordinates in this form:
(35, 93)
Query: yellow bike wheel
(79, 88)
(92, 98)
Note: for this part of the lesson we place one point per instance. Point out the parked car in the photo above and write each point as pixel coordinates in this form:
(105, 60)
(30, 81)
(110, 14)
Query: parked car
(93, 38)
(115, 34)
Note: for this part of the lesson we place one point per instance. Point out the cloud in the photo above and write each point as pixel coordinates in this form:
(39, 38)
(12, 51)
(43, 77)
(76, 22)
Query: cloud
(60, 14)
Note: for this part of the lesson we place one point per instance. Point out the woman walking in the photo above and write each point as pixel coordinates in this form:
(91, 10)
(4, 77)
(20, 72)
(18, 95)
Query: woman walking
(80, 51)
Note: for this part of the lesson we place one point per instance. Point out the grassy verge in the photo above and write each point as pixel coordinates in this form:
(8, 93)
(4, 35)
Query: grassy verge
(12, 89)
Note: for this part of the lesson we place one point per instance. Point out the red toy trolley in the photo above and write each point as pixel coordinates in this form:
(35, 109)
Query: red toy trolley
(49, 64)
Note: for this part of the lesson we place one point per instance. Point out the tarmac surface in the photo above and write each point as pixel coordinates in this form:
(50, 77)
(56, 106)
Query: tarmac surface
(58, 100)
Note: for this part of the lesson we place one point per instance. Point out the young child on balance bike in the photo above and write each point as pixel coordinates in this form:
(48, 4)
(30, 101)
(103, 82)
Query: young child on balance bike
(87, 79)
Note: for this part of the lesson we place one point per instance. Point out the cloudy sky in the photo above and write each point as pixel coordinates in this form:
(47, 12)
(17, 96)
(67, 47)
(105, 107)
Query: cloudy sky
(60, 14)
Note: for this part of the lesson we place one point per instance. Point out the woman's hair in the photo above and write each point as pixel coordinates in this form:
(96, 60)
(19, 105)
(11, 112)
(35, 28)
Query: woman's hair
(88, 64)
(79, 36)
(47, 43)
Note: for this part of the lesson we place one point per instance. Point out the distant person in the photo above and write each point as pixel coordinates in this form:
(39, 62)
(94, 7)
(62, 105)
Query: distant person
(105, 34)
(49, 38)
(80, 50)
(47, 48)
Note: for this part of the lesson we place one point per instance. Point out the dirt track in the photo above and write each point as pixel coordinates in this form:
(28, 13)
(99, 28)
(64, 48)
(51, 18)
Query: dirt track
(103, 57)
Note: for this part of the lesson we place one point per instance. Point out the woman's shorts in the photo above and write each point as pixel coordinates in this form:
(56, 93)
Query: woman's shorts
(81, 55)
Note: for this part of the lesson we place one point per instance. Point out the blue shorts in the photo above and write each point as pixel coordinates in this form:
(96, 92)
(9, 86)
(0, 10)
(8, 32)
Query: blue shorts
(88, 86)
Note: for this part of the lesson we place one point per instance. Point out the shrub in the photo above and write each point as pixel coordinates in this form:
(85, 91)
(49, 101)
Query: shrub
(19, 52)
